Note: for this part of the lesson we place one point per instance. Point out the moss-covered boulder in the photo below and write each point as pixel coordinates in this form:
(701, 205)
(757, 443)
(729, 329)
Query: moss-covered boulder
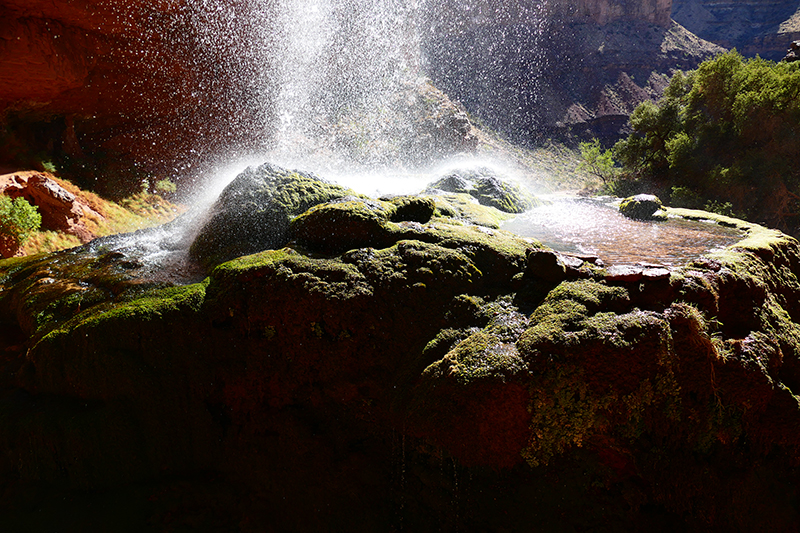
(254, 211)
(642, 207)
(389, 361)
(487, 187)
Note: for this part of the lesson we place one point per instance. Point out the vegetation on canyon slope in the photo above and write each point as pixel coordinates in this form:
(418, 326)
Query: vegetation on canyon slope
(724, 136)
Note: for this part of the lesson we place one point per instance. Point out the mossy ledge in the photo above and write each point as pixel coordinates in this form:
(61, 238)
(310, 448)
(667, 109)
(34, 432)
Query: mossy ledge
(350, 379)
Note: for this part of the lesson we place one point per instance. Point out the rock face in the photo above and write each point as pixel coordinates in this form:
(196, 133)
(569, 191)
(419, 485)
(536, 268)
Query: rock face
(254, 212)
(763, 27)
(570, 67)
(793, 53)
(641, 206)
(487, 188)
(346, 385)
(119, 84)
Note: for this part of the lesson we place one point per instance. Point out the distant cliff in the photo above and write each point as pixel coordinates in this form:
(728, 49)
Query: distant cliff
(763, 27)
(567, 67)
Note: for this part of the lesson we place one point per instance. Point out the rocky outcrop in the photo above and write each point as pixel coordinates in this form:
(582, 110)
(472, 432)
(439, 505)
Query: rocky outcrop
(487, 187)
(641, 207)
(456, 378)
(60, 209)
(793, 53)
(754, 27)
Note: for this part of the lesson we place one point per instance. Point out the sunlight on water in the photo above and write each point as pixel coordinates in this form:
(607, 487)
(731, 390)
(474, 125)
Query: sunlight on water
(590, 226)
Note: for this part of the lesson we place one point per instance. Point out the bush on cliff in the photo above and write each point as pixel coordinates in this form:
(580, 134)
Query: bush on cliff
(728, 133)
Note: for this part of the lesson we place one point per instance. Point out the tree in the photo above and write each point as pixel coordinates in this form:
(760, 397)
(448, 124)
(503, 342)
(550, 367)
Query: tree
(18, 219)
(597, 161)
(727, 133)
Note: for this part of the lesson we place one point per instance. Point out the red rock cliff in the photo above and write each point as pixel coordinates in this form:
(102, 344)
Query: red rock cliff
(135, 81)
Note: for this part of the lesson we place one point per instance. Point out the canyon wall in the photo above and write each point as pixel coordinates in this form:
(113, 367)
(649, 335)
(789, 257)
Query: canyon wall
(562, 68)
(493, 12)
(763, 27)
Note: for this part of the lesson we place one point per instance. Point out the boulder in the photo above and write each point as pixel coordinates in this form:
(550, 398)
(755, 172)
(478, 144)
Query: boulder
(60, 209)
(641, 207)
(486, 186)
(254, 212)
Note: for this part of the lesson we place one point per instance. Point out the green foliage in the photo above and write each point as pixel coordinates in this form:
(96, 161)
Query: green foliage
(597, 161)
(725, 136)
(18, 219)
(49, 166)
(166, 187)
(685, 197)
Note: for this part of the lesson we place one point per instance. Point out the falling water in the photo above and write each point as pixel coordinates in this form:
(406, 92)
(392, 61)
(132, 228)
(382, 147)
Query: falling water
(326, 86)
(342, 65)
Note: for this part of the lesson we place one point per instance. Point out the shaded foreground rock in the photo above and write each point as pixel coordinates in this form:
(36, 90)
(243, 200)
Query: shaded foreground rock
(418, 374)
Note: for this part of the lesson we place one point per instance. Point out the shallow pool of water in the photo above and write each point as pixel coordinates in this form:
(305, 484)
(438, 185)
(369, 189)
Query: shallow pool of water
(594, 226)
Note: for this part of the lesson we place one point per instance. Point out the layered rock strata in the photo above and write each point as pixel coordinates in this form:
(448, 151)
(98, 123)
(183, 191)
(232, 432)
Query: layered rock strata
(561, 67)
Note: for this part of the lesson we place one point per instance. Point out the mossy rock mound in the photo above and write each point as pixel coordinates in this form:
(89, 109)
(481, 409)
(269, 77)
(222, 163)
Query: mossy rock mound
(344, 224)
(454, 352)
(642, 207)
(254, 212)
(487, 187)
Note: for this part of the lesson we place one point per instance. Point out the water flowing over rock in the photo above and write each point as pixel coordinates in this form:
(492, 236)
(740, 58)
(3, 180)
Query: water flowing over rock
(390, 363)
(254, 212)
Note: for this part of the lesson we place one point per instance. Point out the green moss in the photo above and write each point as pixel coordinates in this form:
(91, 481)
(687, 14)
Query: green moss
(341, 226)
(156, 303)
(254, 212)
(564, 414)
(589, 293)
(465, 207)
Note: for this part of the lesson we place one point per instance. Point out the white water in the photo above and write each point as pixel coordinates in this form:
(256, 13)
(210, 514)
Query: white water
(325, 83)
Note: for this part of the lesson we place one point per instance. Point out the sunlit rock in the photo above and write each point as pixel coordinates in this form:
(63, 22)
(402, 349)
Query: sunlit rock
(487, 187)
(60, 209)
(254, 212)
(641, 207)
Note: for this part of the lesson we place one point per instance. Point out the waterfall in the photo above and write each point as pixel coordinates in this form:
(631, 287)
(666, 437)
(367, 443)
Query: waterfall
(318, 81)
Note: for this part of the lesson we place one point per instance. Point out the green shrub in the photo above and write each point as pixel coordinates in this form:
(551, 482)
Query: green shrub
(165, 187)
(18, 219)
(596, 161)
(728, 133)
(685, 197)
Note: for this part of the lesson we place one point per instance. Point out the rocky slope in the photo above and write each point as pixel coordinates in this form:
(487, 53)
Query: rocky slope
(133, 89)
(763, 27)
(386, 366)
(567, 67)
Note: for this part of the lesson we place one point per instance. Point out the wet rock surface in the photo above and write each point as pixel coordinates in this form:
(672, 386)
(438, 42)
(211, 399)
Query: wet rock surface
(405, 372)
(487, 188)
